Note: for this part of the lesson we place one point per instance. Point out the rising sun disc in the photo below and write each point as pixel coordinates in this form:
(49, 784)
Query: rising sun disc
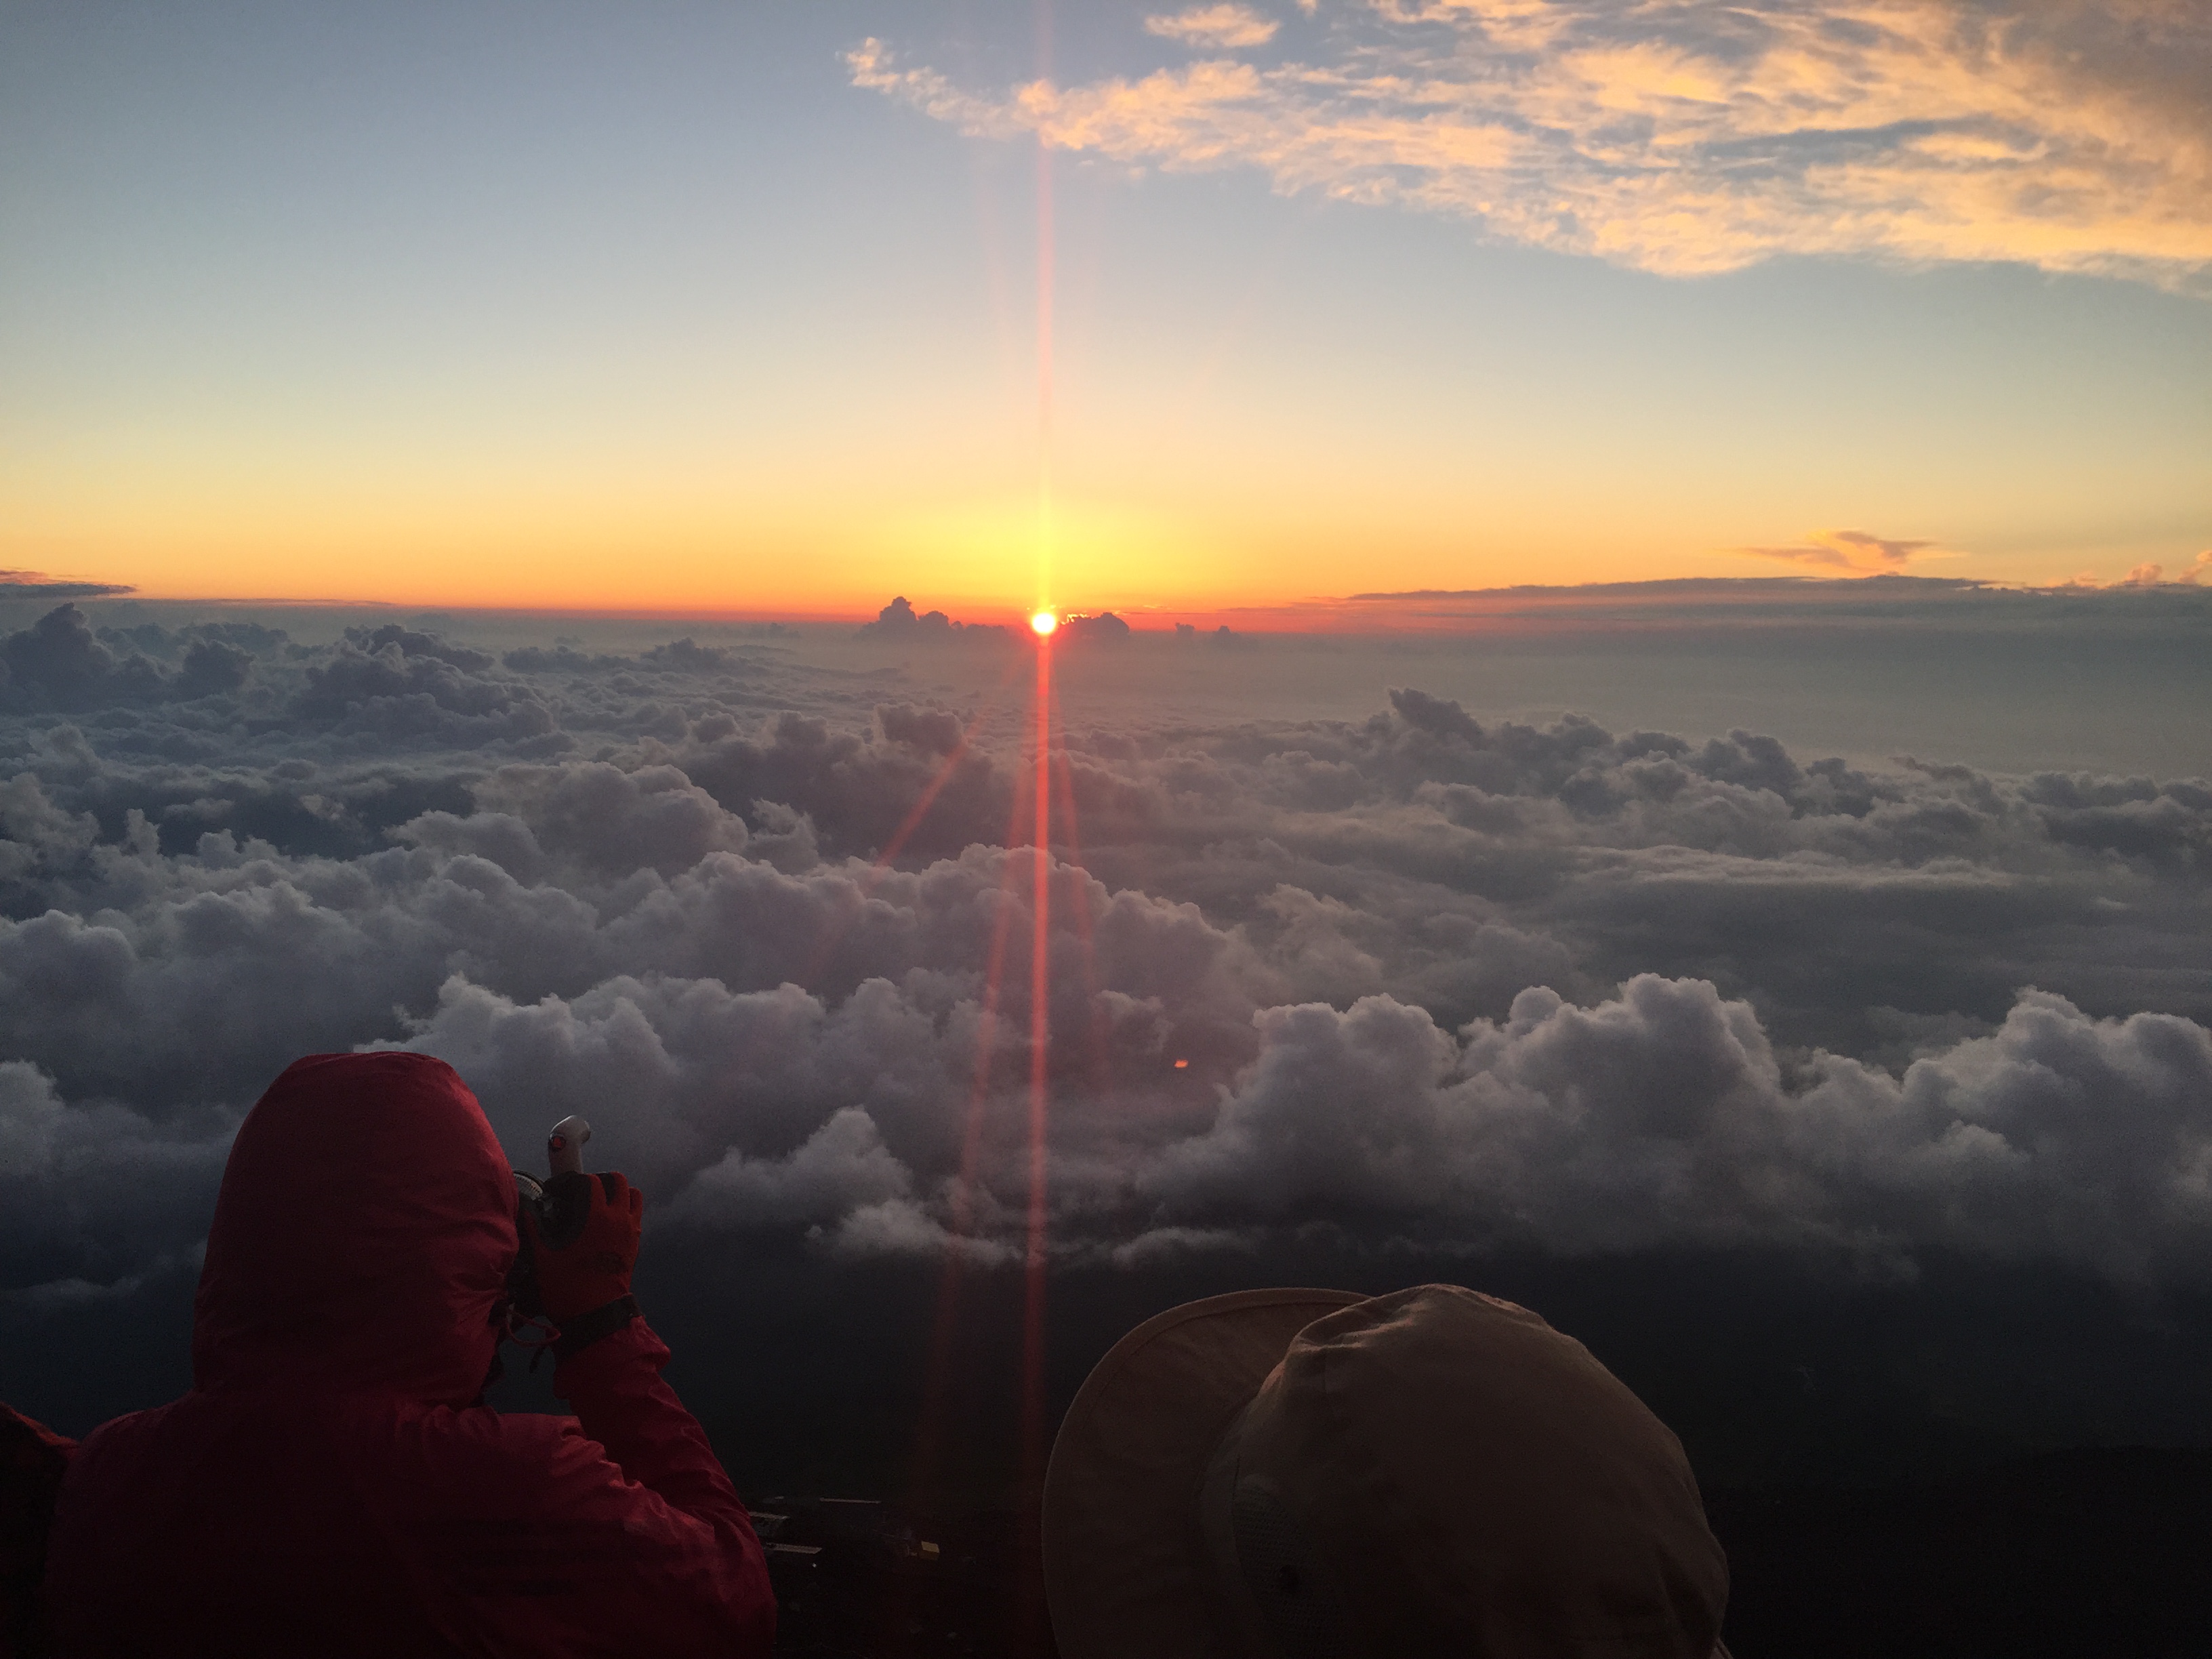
(1044, 622)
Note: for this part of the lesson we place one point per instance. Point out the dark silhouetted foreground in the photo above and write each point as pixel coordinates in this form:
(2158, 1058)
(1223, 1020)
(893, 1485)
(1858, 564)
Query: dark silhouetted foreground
(2077, 1553)
(2074, 1555)
(334, 1482)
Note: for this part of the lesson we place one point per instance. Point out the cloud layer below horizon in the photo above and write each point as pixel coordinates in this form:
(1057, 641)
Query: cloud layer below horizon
(1683, 137)
(1425, 979)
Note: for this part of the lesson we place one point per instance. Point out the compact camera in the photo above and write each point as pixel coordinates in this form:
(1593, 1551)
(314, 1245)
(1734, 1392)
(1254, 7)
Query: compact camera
(560, 1205)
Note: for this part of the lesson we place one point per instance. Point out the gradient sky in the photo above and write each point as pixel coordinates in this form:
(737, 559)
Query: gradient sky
(736, 308)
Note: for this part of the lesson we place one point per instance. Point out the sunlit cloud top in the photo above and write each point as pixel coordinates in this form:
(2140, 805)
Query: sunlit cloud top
(1684, 136)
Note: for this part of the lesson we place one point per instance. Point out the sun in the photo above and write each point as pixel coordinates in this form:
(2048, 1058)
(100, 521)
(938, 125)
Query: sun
(1044, 622)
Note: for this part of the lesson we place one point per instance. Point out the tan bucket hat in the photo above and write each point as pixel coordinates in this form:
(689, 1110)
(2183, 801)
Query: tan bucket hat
(1313, 1474)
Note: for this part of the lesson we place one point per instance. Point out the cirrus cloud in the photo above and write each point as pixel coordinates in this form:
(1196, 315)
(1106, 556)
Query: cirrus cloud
(1230, 26)
(1689, 136)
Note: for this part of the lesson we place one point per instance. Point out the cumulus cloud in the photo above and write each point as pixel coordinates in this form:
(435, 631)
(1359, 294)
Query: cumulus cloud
(56, 663)
(2153, 575)
(899, 621)
(842, 1166)
(94, 1195)
(589, 817)
(1691, 136)
(1426, 977)
(1663, 1114)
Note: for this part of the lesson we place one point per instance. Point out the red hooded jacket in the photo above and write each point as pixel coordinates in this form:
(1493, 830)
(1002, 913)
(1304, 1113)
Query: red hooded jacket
(331, 1485)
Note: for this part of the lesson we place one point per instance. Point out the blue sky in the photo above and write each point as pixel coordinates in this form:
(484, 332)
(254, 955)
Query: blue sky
(726, 306)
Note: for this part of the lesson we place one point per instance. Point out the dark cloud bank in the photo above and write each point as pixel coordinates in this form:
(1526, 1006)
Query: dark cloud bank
(1814, 1093)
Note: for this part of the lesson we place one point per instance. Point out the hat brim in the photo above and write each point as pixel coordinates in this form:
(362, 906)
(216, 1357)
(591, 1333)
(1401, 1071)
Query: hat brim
(1123, 1573)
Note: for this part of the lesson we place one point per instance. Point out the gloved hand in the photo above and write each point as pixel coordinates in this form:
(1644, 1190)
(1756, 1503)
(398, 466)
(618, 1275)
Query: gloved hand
(591, 1270)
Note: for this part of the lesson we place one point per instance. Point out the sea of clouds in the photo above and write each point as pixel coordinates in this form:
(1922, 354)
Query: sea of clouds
(1425, 979)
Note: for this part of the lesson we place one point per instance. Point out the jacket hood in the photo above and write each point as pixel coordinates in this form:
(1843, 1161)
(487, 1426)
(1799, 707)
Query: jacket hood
(362, 1236)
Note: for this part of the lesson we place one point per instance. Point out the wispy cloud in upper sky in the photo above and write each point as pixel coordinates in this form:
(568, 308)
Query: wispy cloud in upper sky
(1230, 26)
(1688, 137)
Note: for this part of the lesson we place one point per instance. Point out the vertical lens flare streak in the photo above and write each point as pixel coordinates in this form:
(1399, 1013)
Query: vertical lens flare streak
(951, 764)
(1033, 1255)
(1025, 1620)
(1078, 910)
(1044, 320)
(938, 1382)
(1033, 1431)
(834, 935)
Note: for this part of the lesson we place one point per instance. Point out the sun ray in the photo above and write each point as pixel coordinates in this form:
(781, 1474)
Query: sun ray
(1028, 1616)
(891, 848)
(834, 934)
(1078, 910)
(937, 1380)
(1033, 1254)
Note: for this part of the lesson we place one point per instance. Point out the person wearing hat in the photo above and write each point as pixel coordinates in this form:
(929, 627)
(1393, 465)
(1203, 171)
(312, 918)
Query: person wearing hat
(1314, 1475)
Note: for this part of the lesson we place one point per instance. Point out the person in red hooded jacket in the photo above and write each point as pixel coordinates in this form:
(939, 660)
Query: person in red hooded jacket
(334, 1483)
